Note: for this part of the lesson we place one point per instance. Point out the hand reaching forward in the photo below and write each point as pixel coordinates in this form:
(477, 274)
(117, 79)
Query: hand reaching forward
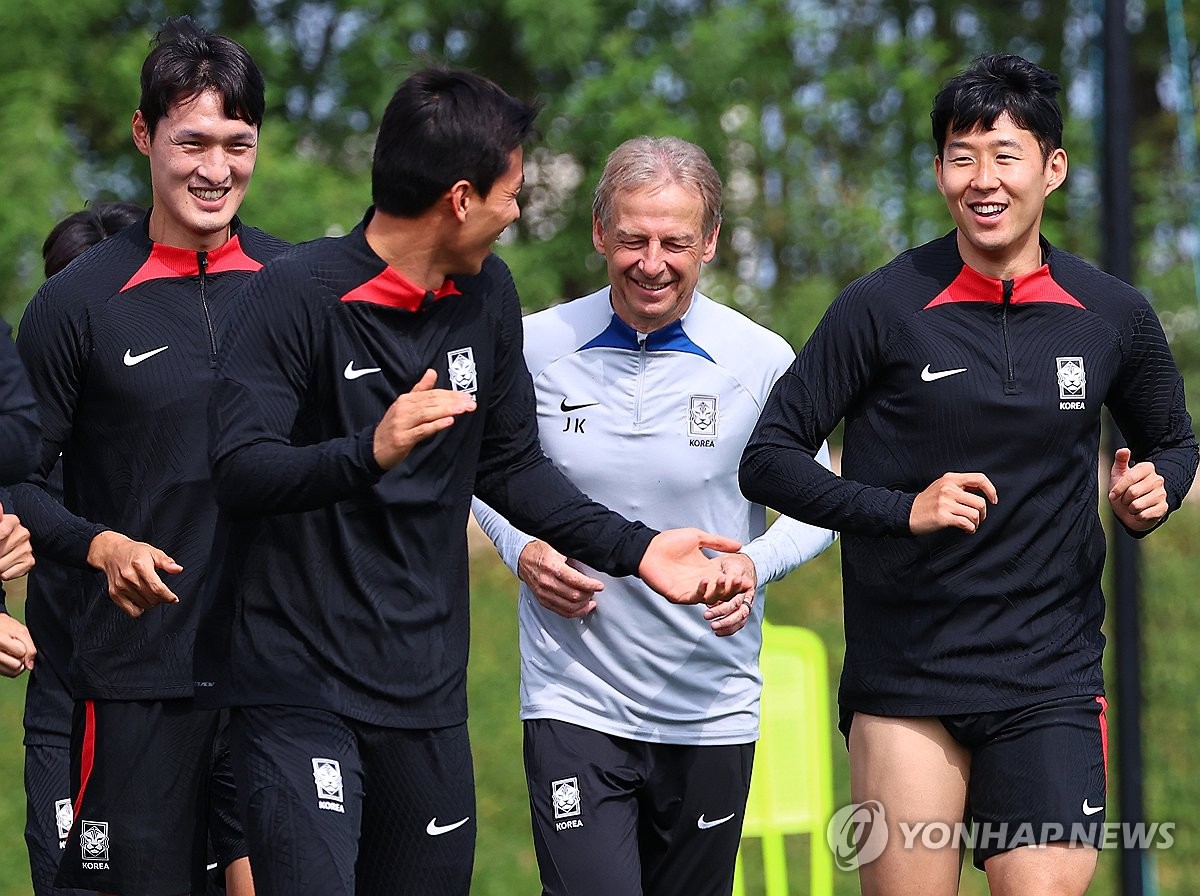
(557, 586)
(676, 568)
(730, 616)
(415, 416)
(132, 569)
(16, 647)
(1138, 494)
(16, 554)
(955, 501)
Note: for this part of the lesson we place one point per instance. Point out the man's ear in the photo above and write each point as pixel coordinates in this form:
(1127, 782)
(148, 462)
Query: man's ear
(598, 234)
(1057, 165)
(141, 133)
(460, 199)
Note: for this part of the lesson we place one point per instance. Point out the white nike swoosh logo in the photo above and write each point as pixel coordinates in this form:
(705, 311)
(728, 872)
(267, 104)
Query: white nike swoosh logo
(351, 374)
(433, 829)
(132, 359)
(705, 825)
(1091, 810)
(929, 376)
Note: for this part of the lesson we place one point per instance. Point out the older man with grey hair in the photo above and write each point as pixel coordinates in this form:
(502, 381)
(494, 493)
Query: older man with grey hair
(640, 717)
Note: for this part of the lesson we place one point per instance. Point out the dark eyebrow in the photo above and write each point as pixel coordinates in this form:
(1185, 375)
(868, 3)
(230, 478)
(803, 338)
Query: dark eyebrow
(246, 136)
(1003, 142)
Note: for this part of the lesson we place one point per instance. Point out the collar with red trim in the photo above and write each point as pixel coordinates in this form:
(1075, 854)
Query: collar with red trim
(166, 261)
(972, 286)
(391, 288)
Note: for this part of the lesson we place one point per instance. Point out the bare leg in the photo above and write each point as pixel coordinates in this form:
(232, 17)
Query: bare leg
(1057, 869)
(919, 774)
(238, 880)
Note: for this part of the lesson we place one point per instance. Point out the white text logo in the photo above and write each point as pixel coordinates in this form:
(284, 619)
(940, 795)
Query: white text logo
(327, 775)
(1072, 383)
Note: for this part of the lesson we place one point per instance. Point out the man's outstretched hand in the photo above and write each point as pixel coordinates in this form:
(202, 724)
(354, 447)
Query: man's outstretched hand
(676, 568)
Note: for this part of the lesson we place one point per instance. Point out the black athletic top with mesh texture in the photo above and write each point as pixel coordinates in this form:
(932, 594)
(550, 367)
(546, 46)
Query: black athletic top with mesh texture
(343, 587)
(120, 347)
(936, 368)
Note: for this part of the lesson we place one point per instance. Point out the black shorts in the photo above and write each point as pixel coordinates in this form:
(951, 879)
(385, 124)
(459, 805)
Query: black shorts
(139, 771)
(617, 817)
(226, 838)
(48, 813)
(336, 807)
(1039, 774)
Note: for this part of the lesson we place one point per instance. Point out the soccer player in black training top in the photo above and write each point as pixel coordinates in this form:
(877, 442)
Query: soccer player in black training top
(371, 383)
(19, 440)
(120, 349)
(48, 701)
(971, 372)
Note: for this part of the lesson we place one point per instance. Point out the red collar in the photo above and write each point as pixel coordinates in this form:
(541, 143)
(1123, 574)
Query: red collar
(393, 289)
(171, 261)
(972, 286)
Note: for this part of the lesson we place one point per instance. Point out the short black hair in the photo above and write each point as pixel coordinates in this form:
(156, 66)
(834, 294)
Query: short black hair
(443, 125)
(79, 231)
(996, 83)
(187, 60)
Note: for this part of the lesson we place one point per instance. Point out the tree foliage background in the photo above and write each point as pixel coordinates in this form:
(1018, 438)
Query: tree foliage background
(815, 113)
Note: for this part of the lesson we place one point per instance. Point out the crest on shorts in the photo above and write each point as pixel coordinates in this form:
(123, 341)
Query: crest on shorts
(93, 840)
(461, 364)
(564, 793)
(327, 775)
(702, 415)
(1072, 380)
(64, 817)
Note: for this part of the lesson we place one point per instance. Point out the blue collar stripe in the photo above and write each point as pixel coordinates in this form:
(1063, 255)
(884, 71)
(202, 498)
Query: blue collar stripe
(670, 338)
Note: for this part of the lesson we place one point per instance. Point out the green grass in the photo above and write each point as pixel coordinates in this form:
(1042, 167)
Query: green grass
(504, 863)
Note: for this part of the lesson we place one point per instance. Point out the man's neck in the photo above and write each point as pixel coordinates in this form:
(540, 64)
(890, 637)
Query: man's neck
(410, 246)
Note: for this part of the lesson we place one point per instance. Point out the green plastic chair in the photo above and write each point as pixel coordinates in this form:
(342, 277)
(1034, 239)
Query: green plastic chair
(791, 790)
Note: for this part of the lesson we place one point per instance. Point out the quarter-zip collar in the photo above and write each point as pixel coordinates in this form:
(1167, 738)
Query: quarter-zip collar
(166, 261)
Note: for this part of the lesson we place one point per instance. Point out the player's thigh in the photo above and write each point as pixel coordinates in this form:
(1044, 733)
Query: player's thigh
(583, 793)
(910, 774)
(139, 769)
(1056, 869)
(691, 814)
(49, 813)
(419, 825)
(300, 796)
(1038, 778)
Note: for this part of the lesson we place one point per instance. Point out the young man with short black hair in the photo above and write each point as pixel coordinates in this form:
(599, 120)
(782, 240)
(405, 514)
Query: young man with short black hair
(971, 373)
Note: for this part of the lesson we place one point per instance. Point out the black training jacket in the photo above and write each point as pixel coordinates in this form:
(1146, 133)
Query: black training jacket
(342, 587)
(120, 347)
(936, 368)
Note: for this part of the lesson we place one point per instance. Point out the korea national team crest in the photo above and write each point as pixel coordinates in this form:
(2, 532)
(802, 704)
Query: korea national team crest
(93, 844)
(327, 775)
(64, 817)
(564, 793)
(1072, 383)
(461, 363)
(702, 421)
